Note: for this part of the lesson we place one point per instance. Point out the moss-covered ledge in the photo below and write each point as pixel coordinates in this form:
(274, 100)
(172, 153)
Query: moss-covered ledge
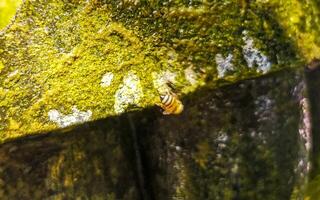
(241, 141)
(63, 63)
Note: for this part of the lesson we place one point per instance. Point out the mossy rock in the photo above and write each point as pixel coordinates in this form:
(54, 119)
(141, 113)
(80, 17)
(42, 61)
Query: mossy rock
(69, 62)
(241, 141)
(80, 164)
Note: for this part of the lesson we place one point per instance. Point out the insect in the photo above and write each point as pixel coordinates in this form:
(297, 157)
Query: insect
(170, 104)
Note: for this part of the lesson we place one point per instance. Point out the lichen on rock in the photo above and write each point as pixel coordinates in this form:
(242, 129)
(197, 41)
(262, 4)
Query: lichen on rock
(75, 117)
(253, 56)
(128, 94)
(106, 79)
(62, 50)
(224, 64)
(162, 79)
(191, 75)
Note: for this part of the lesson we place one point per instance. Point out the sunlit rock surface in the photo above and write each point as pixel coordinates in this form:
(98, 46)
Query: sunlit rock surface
(55, 55)
(7, 11)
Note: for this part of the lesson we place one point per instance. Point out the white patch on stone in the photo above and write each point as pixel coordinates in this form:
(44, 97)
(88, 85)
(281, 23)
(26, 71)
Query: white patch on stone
(223, 137)
(178, 148)
(129, 93)
(190, 75)
(75, 117)
(254, 56)
(106, 79)
(15, 72)
(264, 108)
(54, 115)
(161, 80)
(224, 64)
(305, 125)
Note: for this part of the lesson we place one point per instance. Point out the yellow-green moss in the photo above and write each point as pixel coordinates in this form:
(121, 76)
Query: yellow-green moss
(7, 10)
(300, 22)
(56, 53)
(1, 66)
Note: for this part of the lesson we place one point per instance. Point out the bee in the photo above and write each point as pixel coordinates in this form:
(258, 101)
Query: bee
(170, 104)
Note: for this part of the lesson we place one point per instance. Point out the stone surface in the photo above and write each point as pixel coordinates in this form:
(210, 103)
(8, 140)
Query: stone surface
(53, 55)
(312, 118)
(85, 163)
(237, 142)
(79, 81)
(241, 141)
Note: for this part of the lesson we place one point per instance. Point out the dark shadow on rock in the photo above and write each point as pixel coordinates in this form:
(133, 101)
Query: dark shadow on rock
(312, 74)
(237, 142)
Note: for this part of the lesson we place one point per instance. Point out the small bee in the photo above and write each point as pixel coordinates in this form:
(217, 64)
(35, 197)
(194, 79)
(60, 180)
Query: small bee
(170, 104)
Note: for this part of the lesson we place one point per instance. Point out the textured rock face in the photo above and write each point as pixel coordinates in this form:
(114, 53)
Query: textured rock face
(89, 164)
(55, 56)
(238, 142)
(105, 63)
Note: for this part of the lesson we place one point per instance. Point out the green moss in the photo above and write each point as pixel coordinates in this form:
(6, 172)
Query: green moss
(1, 66)
(61, 51)
(312, 192)
(299, 20)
